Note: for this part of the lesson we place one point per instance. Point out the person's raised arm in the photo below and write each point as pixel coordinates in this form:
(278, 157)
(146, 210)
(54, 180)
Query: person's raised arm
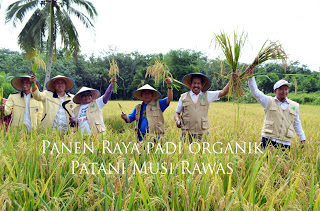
(170, 92)
(225, 90)
(39, 96)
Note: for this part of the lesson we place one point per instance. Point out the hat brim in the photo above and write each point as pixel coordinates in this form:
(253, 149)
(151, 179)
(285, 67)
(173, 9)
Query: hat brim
(16, 82)
(137, 94)
(95, 95)
(69, 83)
(206, 81)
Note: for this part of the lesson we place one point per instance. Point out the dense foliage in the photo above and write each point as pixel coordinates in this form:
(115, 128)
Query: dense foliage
(90, 70)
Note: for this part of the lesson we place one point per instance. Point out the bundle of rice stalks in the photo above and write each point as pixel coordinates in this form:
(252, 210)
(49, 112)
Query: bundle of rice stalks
(160, 70)
(37, 62)
(272, 51)
(232, 50)
(114, 70)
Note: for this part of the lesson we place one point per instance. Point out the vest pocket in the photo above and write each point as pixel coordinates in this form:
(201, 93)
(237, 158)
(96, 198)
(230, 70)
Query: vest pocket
(159, 128)
(185, 123)
(268, 127)
(204, 123)
(99, 127)
(289, 133)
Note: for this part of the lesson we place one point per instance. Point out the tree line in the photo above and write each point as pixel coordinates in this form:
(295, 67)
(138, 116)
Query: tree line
(90, 70)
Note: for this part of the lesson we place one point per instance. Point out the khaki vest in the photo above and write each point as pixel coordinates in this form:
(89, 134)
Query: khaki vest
(154, 117)
(278, 123)
(94, 116)
(195, 115)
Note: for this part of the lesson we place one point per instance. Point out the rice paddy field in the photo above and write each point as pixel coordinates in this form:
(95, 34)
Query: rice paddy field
(51, 171)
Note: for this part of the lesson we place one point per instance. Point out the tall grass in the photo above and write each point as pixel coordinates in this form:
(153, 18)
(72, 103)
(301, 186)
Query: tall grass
(273, 180)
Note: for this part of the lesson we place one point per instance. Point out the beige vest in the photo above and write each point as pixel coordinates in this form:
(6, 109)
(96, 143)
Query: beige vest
(278, 123)
(195, 115)
(94, 116)
(154, 117)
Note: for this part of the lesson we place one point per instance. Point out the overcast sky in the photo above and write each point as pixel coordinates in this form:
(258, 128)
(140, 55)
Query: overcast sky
(150, 26)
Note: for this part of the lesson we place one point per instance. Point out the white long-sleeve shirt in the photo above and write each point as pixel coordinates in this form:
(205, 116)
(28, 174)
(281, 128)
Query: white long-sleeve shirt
(211, 96)
(264, 101)
(26, 115)
(61, 118)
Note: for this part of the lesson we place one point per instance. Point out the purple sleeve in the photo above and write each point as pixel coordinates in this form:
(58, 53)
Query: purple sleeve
(107, 94)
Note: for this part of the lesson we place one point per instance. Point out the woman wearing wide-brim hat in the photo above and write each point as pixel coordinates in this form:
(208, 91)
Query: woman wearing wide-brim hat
(25, 110)
(194, 105)
(55, 115)
(88, 115)
(149, 114)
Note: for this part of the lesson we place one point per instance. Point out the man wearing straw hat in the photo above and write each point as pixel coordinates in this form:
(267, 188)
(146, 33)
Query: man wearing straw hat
(54, 115)
(149, 114)
(281, 115)
(194, 105)
(88, 116)
(25, 109)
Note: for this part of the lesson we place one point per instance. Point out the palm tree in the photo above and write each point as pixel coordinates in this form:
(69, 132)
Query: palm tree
(49, 19)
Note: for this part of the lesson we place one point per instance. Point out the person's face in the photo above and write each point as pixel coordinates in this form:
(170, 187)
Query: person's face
(196, 85)
(282, 92)
(59, 85)
(86, 98)
(147, 96)
(26, 85)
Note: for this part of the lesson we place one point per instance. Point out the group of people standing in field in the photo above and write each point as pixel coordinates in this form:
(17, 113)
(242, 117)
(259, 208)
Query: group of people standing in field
(57, 109)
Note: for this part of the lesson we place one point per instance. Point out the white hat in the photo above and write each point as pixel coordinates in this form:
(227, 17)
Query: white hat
(281, 83)
(137, 93)
(95, 94)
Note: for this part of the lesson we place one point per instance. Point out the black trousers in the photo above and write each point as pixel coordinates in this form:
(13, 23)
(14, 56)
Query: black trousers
(265, 142)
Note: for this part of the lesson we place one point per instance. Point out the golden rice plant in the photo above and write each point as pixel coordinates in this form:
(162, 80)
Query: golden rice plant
(232, 51)
(160, 70)
(37, 62)
(270, 50)
(114, 70)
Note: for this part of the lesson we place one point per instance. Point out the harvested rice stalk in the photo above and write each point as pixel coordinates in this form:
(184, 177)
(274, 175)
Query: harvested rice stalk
(159, 71)
(114, 70)
(232, 50)
(37, 62)
(272, 51)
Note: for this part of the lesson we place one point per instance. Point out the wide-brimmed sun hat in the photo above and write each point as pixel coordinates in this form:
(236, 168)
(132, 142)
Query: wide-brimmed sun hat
(281, 83)
(16, 82)
(206, 81)
(77, 98)
(69, 83)
(137, 93)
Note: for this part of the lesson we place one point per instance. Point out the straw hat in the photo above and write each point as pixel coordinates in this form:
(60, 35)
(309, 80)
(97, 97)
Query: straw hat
(206, 81)
(137, 93)
(16, 82)
(77, 98)
(69, 83)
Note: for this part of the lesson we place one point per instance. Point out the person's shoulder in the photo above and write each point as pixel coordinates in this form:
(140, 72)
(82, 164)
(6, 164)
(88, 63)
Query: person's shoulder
(292, 102)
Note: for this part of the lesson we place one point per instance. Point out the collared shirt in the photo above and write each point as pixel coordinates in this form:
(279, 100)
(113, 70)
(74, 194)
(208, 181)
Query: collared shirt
(26, 114)
(211, 96)
(264, 101)
(61, 118)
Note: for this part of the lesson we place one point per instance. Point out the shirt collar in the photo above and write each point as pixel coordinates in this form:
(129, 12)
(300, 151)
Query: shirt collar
(24, 94)
(286, 100)
(191, 93)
